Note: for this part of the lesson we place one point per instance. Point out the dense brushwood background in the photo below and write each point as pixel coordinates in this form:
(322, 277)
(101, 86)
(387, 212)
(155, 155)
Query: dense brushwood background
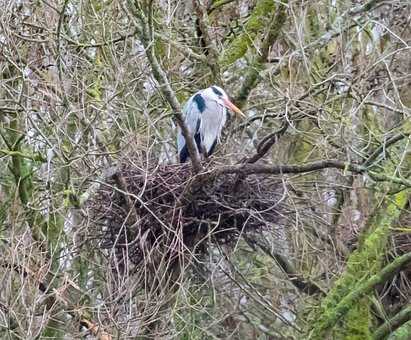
(93, 89)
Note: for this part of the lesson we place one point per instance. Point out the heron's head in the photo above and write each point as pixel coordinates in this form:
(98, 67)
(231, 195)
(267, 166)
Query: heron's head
(217, 94)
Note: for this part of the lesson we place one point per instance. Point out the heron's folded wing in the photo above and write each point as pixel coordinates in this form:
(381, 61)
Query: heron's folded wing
(192, 117)
(213, 120)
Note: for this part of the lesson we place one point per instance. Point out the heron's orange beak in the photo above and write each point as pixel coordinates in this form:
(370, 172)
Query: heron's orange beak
(232, 107)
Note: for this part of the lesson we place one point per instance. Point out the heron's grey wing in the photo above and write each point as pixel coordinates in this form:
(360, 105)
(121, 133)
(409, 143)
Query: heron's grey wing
(213, 120)
(192, 117)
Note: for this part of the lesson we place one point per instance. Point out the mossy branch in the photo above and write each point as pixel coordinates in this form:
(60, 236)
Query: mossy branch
(18, 166)
(263, 10)
(400, 318)
(22, 176)
(15, 153)
(334, 314)
(362, 263)
(213, 5)
(401, 333)
(254, 70)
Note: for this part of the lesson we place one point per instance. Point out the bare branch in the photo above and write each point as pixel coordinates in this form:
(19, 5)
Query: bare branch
(61, 297)
(255, 169)
(164, 84)
(249, 169)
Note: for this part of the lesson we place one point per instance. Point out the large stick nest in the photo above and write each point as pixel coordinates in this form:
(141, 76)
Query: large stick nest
(145, 211)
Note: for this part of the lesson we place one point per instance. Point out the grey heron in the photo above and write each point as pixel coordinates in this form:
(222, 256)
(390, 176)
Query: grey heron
(205, 115)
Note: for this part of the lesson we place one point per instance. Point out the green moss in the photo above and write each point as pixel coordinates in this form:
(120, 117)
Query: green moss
(262, 12)
(402, 333)
(357, 325)
(256, 66)
(320, 60)
(95, 89)
(302, 150)
(362, 263)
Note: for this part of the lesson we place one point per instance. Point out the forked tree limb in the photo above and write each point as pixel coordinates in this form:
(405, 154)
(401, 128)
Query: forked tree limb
(266, 143)
(392, 140)
(262, 148)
